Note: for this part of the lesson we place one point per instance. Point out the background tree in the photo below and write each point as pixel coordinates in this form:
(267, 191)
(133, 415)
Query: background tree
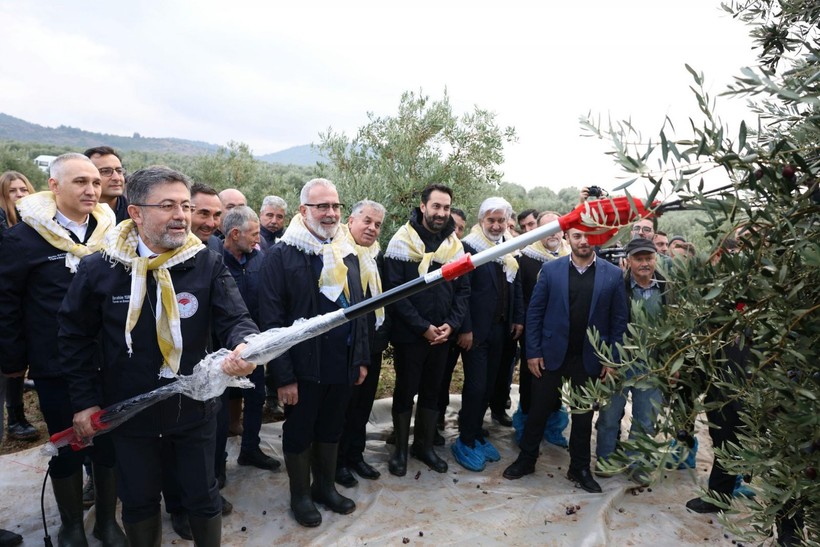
(392, 158)
(766, 296)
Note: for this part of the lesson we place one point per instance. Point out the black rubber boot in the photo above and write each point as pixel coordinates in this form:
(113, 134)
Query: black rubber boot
(423, 435)
(69, 495)
(301, 503)
(401, 426)
(19, 428)
(207, 532)
(324, 479)
(145, 533)
(106, 528)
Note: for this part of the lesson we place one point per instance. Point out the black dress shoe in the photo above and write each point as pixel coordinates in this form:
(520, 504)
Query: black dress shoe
(257, 458)
(365, 470)
(518, 469)
(345, 477)
(181, 525)
(702, 506)
(9, 538)
(583, 479)
(502, 419)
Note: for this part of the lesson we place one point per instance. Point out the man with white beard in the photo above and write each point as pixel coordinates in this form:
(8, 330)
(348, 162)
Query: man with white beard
(314, 270)
(496, 311)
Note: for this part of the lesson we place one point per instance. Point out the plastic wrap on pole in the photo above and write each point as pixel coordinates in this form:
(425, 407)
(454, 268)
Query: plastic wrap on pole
(272, 343)
(207, 381)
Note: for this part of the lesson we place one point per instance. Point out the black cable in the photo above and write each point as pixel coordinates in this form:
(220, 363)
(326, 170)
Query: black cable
(47, 538)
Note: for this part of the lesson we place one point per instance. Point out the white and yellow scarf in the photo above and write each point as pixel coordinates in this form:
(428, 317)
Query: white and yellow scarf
(368, 270)
(406, 245)
(38, 211)
(478, 241)
(540, 253)
(121, 246)
(333, 279)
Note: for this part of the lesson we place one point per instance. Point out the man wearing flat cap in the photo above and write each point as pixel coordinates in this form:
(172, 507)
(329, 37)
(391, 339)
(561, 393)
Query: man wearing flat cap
(646, 286)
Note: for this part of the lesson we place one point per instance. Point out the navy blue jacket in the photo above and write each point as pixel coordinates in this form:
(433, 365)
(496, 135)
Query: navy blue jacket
(442, 303)
(94, 313)
(247, 278)
(289, 290)
(484, 293)
(33, 282)
(548, 314)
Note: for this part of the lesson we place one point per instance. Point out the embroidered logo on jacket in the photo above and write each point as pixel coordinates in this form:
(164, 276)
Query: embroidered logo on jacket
(188, 304)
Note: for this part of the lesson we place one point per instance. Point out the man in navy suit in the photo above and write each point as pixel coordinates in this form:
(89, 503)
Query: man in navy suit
(573, 294)
(496, 313)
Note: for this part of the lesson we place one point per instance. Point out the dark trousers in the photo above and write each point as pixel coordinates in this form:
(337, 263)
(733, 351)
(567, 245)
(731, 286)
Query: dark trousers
(524, 378)
(546, 399)
(221, 434)
(318, 416)
(140, 471)
(419, 369)
(58, 414)
(726, 421)
(354, 434)
(254, 399)
(480, 368)
(453, 354)
(503, 379)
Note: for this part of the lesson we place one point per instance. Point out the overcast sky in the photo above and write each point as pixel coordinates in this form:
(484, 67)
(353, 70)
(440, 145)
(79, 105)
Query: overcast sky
(275, 77)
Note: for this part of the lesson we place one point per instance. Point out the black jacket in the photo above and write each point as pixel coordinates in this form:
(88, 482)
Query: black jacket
(442, 303)
(33, 282)
(247, 278)
(94, 313)
(289, 290)
(484, 293)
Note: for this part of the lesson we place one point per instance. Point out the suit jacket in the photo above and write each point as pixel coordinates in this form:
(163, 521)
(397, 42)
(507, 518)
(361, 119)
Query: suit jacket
(548, 314)
(484, 291)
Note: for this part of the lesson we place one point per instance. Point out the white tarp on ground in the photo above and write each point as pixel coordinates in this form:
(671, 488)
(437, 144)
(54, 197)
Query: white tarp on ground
(424, 507)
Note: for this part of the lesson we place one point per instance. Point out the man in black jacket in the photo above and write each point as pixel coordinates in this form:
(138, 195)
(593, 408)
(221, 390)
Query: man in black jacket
(496, 313)
(314, 270)
(112, 176)
(38, 259)
(244, 261)
(423, 323)
(272, 217)
(111, 307)
(364, 226)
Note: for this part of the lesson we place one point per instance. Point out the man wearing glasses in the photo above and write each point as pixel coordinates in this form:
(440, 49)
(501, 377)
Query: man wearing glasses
(644, 228)
(314, 270)
(111, 308)
(112, 176)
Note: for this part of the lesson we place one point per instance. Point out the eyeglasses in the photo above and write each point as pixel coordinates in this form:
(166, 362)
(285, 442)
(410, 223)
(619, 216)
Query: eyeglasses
(168, 207)
(642, 229)
(323, 207)
(108, 171)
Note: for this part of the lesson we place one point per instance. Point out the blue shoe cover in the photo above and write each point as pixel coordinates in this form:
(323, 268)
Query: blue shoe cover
(519, 420)
(554, 430)
(489, 451)
(469, 458)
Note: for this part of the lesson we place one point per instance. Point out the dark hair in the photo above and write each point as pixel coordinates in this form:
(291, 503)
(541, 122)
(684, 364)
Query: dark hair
(140, 183)
(659, 233)
(459, 212)
(525, 213)
(425, 194)
(101, 151)
(199, 188)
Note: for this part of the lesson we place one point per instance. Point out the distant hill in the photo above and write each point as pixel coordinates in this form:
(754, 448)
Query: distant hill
(15, 129)
(12, 128)
(297, 155)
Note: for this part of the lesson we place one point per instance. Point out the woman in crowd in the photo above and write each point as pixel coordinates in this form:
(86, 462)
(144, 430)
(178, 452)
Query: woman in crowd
(13, 186)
